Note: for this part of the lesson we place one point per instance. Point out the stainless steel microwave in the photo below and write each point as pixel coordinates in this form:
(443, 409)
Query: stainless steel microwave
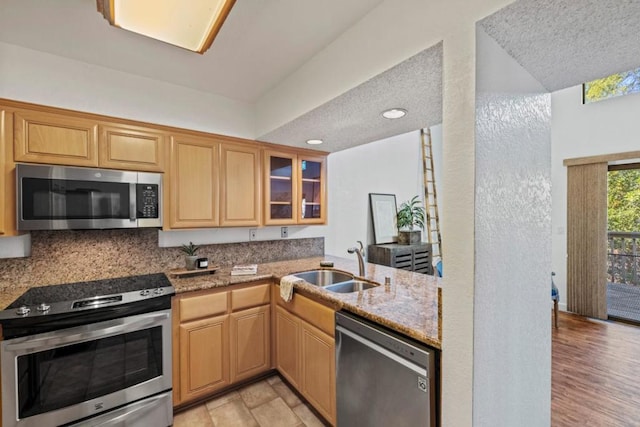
(63, 197)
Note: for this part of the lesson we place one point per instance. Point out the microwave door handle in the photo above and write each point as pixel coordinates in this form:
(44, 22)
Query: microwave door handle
(132, 201)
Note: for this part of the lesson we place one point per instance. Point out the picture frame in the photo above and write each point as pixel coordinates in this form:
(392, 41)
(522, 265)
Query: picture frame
(383, 215)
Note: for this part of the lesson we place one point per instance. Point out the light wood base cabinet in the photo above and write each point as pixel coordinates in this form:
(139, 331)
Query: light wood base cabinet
(220, 337)
(318, 373)
(305, 354)
(204, 356)
(250, 342)
(287, 345)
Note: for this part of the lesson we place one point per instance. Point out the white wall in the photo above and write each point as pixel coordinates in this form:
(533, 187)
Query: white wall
(389, 166)
(42, 78)
(577, 130)
(512, 318)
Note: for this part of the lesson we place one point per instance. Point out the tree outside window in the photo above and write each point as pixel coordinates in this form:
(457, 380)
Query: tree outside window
(613, 85)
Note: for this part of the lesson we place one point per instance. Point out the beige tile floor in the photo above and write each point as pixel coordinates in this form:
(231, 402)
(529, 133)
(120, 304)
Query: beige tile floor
(268, 403)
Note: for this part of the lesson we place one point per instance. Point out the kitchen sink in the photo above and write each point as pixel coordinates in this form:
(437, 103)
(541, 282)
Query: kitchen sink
(351, 286)
(324, 277)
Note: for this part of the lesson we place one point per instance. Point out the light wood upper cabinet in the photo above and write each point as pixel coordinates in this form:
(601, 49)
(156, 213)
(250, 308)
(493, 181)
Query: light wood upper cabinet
(250, 342)
(239, 185)
(55, 138)
(131, 148)
(295, 188)
(7, 176)
(204, 356)
(312, 189)
(280, 188)
(193, 198)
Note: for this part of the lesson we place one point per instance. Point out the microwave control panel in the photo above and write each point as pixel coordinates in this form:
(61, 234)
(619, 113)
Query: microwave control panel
(147, 200)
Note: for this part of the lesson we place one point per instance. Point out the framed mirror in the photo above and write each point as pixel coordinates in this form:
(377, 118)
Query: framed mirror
(383, 215)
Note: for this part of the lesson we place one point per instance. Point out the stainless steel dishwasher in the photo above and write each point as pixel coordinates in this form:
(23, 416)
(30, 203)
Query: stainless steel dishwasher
(382, 378)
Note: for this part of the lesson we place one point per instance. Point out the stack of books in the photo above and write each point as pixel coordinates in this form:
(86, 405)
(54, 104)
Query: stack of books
(241, 270)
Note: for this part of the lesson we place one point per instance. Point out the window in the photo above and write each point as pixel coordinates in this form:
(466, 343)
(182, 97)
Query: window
(614, 85)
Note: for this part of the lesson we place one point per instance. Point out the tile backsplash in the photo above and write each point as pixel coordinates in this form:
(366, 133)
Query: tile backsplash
(79, 255)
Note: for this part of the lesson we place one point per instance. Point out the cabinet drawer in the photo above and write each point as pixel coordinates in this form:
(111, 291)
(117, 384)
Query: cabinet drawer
(200, 306)
(320, 316)
(250, 297)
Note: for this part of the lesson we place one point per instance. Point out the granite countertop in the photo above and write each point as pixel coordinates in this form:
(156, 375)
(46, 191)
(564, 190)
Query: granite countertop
(411, 304)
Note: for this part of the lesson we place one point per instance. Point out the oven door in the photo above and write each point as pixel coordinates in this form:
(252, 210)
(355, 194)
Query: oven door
(66, 375)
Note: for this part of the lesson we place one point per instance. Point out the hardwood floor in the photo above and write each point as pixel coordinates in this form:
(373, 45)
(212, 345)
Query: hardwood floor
(595, 373)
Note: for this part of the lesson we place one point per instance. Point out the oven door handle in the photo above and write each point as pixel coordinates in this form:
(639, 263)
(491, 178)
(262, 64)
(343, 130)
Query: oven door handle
(84, 333)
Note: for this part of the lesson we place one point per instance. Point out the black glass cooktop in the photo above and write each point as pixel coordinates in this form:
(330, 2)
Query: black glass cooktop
(81, 290)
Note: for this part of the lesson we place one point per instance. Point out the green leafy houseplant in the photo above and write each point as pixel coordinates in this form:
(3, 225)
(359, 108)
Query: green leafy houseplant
(410, 215)
(190, 255)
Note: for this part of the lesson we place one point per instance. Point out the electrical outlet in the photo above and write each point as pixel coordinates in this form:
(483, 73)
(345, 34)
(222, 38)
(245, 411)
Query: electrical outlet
(284, 232)
(252, 234)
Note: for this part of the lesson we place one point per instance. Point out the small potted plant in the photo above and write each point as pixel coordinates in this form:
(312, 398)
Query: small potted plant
(410, 215)
(190, 255)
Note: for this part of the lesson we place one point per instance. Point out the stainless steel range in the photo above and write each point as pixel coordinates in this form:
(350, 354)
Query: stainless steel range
(91, 353)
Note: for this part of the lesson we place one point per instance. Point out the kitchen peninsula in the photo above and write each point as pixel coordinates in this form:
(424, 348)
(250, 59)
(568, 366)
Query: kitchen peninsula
(232, 329)
(410, 304)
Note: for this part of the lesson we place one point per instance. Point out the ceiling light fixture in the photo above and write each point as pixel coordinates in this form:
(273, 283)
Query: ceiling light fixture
(314, 141)
(394, 113)
(191, 25)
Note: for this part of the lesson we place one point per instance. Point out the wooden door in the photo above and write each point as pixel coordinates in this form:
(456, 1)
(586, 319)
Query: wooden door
(239, 185)
(193, 183)
(287, 346)
(318, 379)
(280, 188)
(587, 239)
(55, 138)
(311, 190)
(250, 342)
(204, 356)
(131, 148)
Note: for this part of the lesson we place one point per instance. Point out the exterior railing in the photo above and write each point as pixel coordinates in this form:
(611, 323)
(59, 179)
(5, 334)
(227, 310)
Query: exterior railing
(623, 260)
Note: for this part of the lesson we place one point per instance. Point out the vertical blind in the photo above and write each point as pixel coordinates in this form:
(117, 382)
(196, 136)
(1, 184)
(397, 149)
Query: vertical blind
(587, 239)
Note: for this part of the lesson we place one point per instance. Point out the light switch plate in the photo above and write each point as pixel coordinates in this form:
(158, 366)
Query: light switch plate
(284, 232)
(252, 234)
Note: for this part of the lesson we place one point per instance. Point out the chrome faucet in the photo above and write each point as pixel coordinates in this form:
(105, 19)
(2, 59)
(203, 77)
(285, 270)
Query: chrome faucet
(360, 253)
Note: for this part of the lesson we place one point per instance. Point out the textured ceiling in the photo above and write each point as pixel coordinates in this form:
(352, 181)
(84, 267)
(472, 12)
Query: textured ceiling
(260, 44)
(353, 118)
(563, 43)
(560, 42)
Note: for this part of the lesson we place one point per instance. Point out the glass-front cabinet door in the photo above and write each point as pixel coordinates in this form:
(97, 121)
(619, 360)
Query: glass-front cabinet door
(311, 189)
(294, 189)
(281, 189)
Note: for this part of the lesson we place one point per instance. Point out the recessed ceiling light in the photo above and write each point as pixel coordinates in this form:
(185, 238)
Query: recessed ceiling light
(394, 113)
(191, 27)
(314, 141)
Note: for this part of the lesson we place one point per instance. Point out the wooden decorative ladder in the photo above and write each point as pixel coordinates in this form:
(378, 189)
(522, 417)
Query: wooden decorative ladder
(430, 195)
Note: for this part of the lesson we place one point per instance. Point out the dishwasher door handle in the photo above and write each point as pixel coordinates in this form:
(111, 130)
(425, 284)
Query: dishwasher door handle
(379, 349)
